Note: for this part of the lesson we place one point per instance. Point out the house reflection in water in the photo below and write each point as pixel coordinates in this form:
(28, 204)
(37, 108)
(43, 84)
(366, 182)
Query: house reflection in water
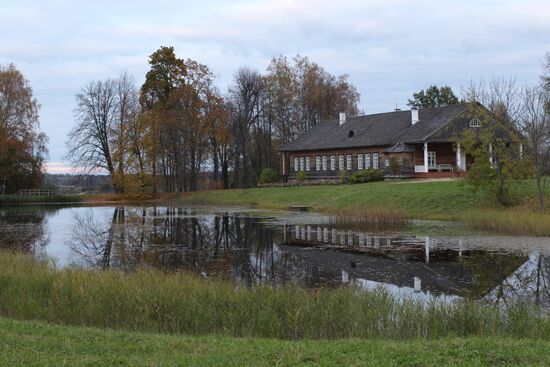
(402, 264)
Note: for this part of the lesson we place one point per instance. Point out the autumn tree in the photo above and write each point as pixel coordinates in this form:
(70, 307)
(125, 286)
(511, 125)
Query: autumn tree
(434, 96)
(495, 144)
(534, 124)
(22, 145)
(103, 114)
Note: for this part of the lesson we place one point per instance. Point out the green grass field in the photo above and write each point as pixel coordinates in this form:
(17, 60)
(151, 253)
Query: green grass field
(33, 343)
(442, 200)
(38, 199)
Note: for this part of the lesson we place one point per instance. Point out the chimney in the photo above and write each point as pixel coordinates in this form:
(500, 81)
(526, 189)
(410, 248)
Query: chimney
(414, 115)
(342, 118)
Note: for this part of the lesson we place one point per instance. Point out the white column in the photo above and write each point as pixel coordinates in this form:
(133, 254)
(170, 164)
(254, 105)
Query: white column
(425, 157)
(458, 157)
(417, 284)
(491, 154)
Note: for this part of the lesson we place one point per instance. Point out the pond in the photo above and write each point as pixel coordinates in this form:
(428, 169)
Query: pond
(251, 247)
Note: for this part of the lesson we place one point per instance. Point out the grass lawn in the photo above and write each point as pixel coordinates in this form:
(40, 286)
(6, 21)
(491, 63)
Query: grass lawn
(430, 200)
(33, 343)
(439, 200)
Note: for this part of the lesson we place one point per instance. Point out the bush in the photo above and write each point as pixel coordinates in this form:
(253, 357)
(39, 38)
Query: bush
(343, 176)
(366, 175)
(301, 176)
(396, 167)
(268, 175)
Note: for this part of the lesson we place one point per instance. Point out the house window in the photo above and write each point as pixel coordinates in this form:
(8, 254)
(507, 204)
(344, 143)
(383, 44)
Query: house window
(341, 163)
(308, 164)
(431, 160)
(296, 164)
(302, 165)
(475, 122)
(332, 162)
(360, 161)
(367, 161)
(324, 163)
(387, 163)
(318, 163)
(375, 160)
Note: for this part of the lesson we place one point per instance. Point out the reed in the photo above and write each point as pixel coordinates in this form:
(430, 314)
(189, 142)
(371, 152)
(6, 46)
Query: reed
(150, 300)
(376, 218)
(513, 222)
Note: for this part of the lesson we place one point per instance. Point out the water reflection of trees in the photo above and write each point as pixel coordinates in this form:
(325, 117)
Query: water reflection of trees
(225, 244)
(23, 229)
(529, 282)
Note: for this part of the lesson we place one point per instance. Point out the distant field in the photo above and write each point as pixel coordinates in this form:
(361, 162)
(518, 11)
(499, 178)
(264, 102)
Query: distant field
(32, 343)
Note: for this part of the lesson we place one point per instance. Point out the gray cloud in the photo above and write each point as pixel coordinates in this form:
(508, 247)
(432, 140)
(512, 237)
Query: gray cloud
(389, 48)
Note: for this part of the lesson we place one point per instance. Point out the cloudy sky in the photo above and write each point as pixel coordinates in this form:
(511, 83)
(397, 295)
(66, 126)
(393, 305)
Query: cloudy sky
(389, 48)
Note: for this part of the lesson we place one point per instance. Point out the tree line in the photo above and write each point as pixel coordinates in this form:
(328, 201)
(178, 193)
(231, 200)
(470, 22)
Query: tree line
(178, 132)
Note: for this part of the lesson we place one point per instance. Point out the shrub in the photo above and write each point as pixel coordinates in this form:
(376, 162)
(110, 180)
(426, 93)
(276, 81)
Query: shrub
(366, 175)
(343, 176)
(268, 175)
(396, 167)
(301, 176)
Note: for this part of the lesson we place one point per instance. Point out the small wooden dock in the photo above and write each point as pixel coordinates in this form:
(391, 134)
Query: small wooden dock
(299, 208)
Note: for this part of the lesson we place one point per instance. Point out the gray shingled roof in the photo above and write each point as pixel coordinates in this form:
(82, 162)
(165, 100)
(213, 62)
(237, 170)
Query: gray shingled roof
(381, 129)
(400, 148)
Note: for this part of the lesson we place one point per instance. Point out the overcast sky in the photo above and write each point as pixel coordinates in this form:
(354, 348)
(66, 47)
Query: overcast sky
(389, 48)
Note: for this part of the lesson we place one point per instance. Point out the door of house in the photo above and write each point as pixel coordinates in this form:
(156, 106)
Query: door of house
(432, 160)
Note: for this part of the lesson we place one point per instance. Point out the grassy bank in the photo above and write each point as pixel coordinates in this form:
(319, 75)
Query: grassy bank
(32, 343)
(443, 200)
(184, 303)
(38, 199)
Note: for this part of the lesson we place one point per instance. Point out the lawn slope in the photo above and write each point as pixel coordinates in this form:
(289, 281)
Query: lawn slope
(439, 200)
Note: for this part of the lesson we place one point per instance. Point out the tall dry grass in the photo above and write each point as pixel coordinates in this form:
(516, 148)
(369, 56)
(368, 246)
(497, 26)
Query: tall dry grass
(150, 300)
(375, 218)
(513, 222)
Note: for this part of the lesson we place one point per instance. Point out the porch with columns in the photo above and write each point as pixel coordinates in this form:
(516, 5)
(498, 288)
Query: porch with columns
(439, 160)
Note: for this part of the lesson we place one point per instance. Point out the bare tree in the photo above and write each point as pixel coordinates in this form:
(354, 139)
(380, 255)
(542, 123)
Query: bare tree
(245, 97)
(498, 104)
(103, 114)
(535, 126)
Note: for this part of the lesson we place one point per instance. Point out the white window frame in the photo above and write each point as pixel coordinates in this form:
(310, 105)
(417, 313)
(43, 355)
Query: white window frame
(325, 163)
(475, 122)
(367, 161)
(386, 163)
(432, 159)
(308, 163)
(318, 163)
(296, 164)
(360, 161)
(349, 162)
(302, 164)
(333, 163)
(375, 161)
(341, 162)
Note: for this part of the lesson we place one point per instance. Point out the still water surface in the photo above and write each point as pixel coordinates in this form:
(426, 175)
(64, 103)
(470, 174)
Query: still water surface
(252, 247)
